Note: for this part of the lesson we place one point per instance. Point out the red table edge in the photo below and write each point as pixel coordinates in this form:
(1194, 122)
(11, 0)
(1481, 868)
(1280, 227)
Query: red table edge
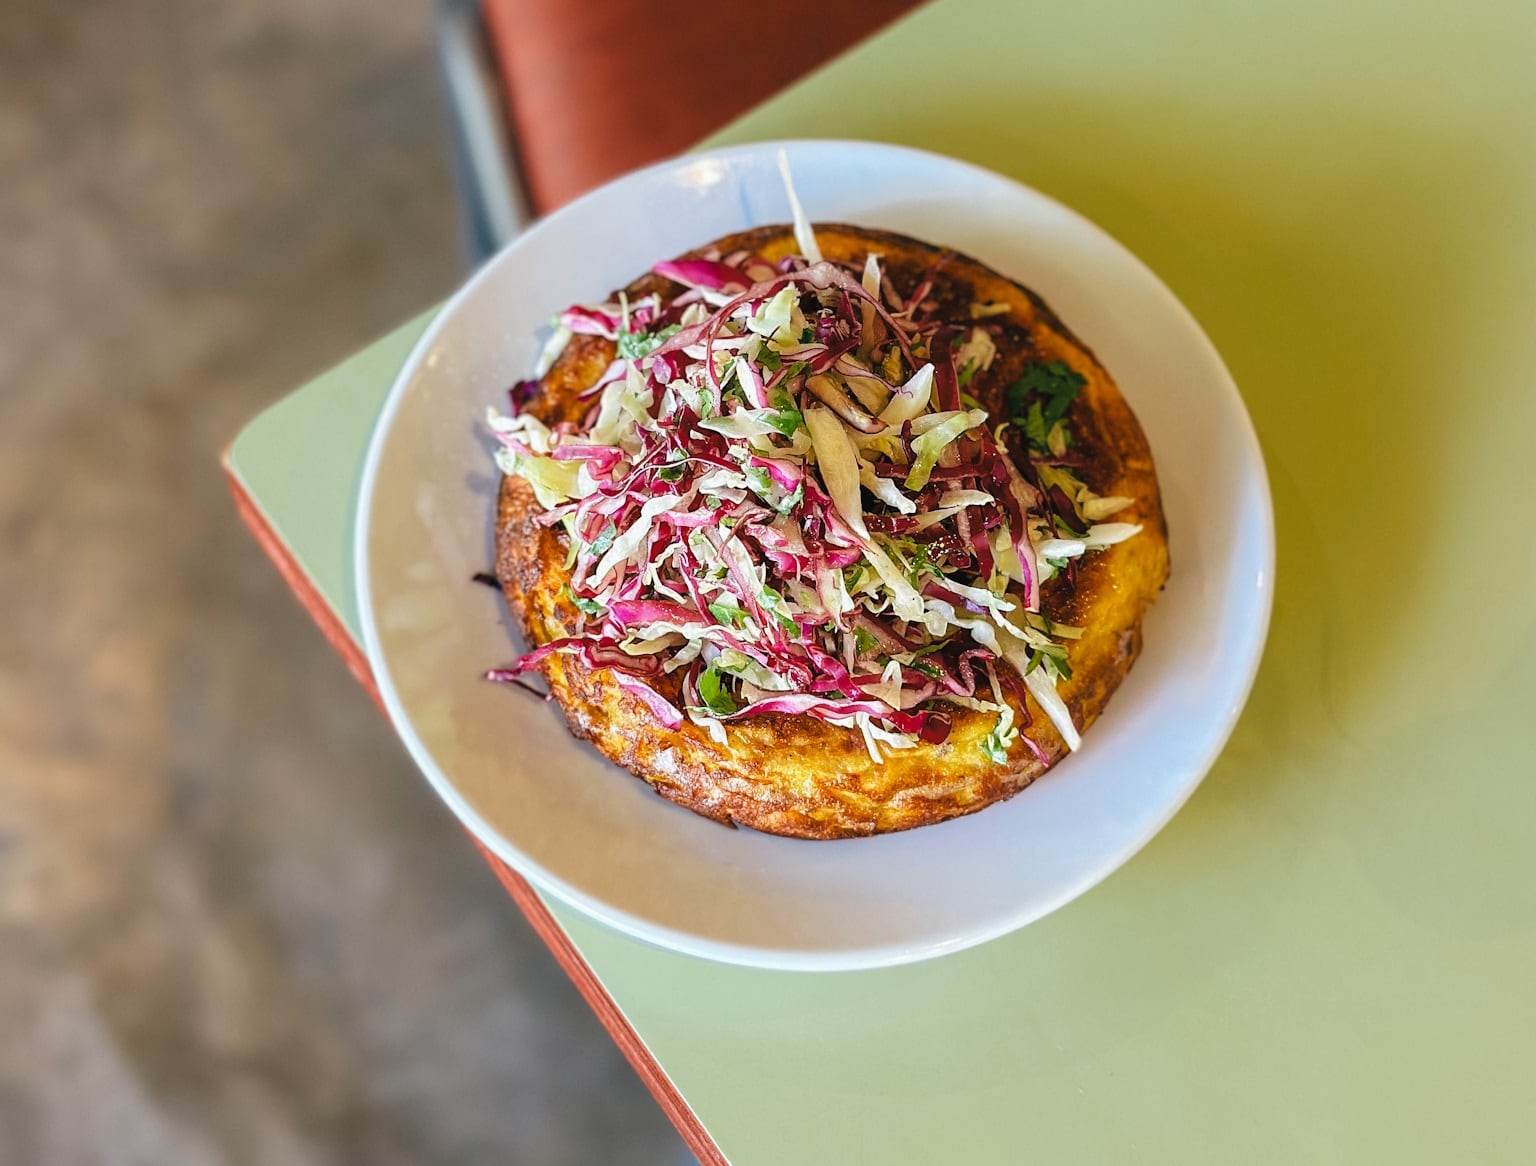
(532, 907)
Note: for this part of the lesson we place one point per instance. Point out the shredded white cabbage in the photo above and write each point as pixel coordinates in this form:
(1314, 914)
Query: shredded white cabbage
(553, 482)
(1061, 548)
(962, 498)
(805, 237)
(775, 319)
(1094, 509)
(709, 724)
(905, 601)
(978, 349)
(871, 277)
(625, 403)
(911, 399)
(889, 687)
(525, 427)
(721, 483)
(981, 311)
(838, 462)
(628, 543)
(876, 735)
(743, 423)
(1107, 534)
(1043, 688)
(927, 447)
(886, 490)
(868, 317)
(741, 665)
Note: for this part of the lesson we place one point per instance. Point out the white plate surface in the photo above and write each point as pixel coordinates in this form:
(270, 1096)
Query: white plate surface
(585, 831)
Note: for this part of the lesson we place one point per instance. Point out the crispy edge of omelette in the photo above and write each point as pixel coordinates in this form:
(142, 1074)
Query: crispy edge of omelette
(795, 775)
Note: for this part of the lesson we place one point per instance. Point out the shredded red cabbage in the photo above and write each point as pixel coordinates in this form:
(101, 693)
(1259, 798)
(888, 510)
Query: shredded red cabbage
(727, 564)
(703, 273)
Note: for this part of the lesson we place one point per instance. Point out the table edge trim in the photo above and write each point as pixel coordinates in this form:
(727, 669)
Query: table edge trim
(544, 924)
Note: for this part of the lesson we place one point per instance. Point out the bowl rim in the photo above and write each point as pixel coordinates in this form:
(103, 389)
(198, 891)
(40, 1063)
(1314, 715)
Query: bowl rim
(766, 956)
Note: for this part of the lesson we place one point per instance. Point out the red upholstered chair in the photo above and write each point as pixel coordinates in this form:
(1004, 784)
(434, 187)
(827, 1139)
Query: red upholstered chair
(553, 97)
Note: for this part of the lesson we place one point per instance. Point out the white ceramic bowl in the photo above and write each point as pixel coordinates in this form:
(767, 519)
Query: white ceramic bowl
(590, 834)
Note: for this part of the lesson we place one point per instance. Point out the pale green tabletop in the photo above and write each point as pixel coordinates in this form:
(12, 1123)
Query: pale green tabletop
(1330, 954)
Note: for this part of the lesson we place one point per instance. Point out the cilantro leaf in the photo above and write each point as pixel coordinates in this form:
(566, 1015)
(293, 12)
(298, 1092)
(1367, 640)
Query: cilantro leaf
(604, 541)
(1053, 660)
(584, 605)
(759, 479)
(728, 612)
(921, 565)
(1057, 383)
(634, 345)
(1035, 428)
(774, 603)
(714, 693)
(674, 467)
(786, 421)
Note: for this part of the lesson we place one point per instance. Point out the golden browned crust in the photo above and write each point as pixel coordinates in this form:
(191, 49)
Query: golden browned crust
(796, 775)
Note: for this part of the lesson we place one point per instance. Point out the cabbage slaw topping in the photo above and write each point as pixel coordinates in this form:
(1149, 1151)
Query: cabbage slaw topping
(782, 496)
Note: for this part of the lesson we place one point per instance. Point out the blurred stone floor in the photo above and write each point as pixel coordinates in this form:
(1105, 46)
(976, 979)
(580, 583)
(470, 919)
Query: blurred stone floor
(235, 925)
